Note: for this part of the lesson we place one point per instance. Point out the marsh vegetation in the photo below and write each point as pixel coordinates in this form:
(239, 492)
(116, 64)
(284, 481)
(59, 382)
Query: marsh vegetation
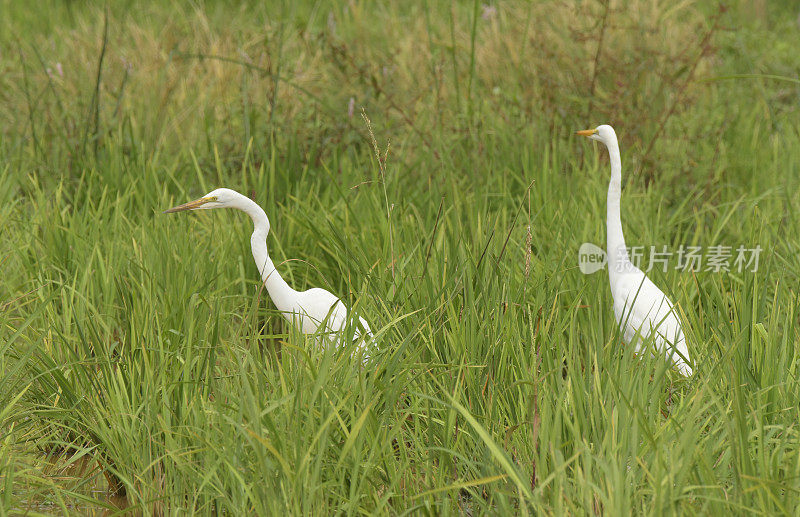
(417, 159)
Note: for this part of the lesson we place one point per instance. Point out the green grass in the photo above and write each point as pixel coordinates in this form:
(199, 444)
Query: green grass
(141, 345)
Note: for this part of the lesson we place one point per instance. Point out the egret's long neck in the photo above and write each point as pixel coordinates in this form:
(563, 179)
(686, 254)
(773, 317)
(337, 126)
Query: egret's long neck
(283, 296)
(617, 253)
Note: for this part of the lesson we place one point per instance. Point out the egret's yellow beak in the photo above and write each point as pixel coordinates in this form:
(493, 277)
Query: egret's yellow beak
(586, 132)
(190, 205)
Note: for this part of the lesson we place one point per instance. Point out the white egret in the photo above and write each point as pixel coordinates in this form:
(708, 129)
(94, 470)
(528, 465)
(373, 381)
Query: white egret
(639, 306)
(305, 309)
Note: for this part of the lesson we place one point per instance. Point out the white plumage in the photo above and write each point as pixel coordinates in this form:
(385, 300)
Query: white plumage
(641, 309)
(304, 309)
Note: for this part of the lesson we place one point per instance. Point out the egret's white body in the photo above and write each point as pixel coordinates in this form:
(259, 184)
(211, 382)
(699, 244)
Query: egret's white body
(641, 309)
(307, 310)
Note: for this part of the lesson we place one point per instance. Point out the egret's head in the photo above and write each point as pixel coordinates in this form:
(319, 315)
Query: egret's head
(604, 133)
(219, 198)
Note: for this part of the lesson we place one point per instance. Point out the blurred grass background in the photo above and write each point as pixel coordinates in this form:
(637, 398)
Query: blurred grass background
(138, 354)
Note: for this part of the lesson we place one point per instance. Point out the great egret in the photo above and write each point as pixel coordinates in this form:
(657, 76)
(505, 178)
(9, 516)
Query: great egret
(306, 309)
(643, 309)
